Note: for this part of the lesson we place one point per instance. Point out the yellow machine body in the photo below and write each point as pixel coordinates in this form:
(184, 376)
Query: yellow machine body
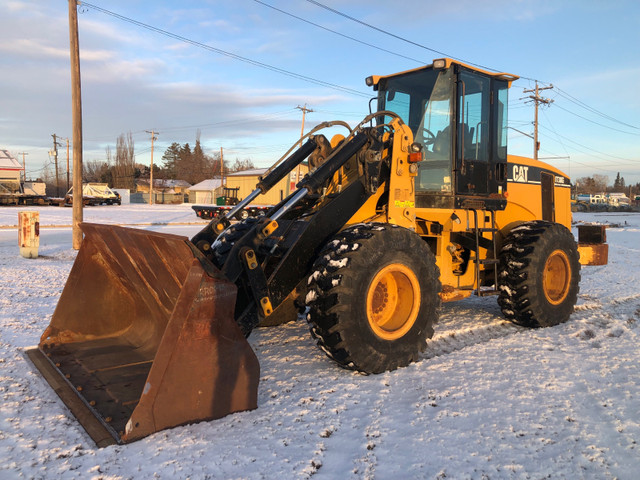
(149, 332)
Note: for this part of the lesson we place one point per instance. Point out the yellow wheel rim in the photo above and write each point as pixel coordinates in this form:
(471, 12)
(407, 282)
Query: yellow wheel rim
(556, 277)
(393, 301)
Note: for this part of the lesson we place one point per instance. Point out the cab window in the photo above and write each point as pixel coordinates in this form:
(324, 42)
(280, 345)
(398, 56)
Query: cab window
(424, 101)
(473, 117)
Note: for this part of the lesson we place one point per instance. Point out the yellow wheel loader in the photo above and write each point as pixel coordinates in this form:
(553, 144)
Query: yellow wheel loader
(417, 205)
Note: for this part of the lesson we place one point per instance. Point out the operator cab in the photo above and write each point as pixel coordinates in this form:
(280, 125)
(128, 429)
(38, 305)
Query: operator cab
(458, 114)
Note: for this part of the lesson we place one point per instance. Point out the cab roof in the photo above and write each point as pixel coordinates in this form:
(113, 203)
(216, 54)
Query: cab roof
(443, 64)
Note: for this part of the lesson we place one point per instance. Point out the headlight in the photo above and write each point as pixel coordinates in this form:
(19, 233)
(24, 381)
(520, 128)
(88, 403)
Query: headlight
(439, 63)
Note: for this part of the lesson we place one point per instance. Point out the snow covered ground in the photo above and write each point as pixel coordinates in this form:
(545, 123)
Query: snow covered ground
(488, 400)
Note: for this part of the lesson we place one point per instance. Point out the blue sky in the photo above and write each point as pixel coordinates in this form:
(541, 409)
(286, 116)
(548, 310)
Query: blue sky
(135, 80)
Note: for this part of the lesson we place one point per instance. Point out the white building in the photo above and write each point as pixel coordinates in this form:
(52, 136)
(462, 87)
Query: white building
(10, 170)
(206, 191)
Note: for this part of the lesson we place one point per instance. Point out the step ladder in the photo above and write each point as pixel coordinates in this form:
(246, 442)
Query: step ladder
(480, 233)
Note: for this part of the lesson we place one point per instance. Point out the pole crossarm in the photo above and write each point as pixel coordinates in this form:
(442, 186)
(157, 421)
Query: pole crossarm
(537, 99)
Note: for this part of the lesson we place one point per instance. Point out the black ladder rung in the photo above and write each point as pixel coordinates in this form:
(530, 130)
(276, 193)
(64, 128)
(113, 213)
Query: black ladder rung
(487, 292)
(489, 261)
(480, 238)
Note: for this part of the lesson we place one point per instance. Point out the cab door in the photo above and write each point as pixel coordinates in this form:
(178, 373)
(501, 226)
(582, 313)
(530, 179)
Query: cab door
(472, 126)
(481, 135)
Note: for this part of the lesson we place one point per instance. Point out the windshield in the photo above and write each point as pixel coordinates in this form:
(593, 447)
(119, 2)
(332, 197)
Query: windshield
(424, 101)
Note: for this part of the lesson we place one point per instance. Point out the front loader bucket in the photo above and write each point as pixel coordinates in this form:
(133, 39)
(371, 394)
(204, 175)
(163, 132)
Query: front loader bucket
(144, 338)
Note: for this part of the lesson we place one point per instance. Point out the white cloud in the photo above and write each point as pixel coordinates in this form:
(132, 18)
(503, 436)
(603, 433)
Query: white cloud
(32, 48)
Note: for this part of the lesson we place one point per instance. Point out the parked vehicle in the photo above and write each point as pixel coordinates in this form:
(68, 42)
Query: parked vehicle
(597, 199)
(618, 200)
(215, 211)
(95, 194)
(226, 203)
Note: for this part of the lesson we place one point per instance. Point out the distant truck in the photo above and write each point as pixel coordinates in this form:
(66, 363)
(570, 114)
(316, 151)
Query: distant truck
(619, 200)
(22, 193)
(593, 199)
(226, 203)
(599, 202)
(94, 194)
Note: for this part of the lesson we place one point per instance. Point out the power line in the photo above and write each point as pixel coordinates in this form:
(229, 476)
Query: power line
(241, 120)
(591, 109)
(556, 133)
(328, 84)
(421, 62)
(228, 54)
(398, 37)
(631, 161)
(597, 123)
(353, 19)
(598, 168)
(245, 120)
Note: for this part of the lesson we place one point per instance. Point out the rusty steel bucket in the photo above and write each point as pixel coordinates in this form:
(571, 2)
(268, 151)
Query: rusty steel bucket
(144, 338)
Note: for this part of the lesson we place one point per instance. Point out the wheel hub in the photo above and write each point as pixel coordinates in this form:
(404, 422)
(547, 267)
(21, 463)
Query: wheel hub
(393, 301)
(556, 277)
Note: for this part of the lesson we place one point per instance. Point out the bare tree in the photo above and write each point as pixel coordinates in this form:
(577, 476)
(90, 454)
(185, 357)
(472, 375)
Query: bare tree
(124, 165)
(601, 182)
(240, 165)
(592, 185)
(95, 171)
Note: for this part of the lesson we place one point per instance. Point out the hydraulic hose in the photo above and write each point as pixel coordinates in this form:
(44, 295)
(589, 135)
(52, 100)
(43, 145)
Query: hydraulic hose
(317, 179)
(274, 176)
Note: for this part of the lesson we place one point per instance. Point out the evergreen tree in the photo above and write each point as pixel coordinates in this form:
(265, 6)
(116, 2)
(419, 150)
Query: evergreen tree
(180, 162)
(201, 166)
(171, 160)
(618, 184)
(185, 167)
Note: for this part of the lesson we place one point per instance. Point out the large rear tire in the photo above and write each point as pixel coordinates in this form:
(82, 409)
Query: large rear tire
(539, 274)
(373, 297)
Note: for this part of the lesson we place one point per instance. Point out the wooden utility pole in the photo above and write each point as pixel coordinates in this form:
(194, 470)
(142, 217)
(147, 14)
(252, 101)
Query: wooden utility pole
(24, 166)
(153, 138)
(537, 99)
(76, 102)
(221, 169)
(67, 163)
(55, 161)
(304, 110)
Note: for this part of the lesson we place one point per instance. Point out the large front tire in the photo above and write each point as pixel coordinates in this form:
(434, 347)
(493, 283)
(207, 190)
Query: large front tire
(539, 274)
(373, 297)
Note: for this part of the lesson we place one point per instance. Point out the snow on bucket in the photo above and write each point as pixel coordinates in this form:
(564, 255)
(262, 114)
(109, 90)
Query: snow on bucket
(29, 233)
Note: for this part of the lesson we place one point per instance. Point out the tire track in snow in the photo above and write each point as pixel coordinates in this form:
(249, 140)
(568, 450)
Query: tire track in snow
(454, 340)
(450, 341)
(598, 323)
(366, 465)
(628, 305)
(607, 428)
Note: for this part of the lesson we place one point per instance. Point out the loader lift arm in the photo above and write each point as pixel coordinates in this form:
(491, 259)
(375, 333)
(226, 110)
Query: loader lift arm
(317, 146)
(285, 253)
(207, 235)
